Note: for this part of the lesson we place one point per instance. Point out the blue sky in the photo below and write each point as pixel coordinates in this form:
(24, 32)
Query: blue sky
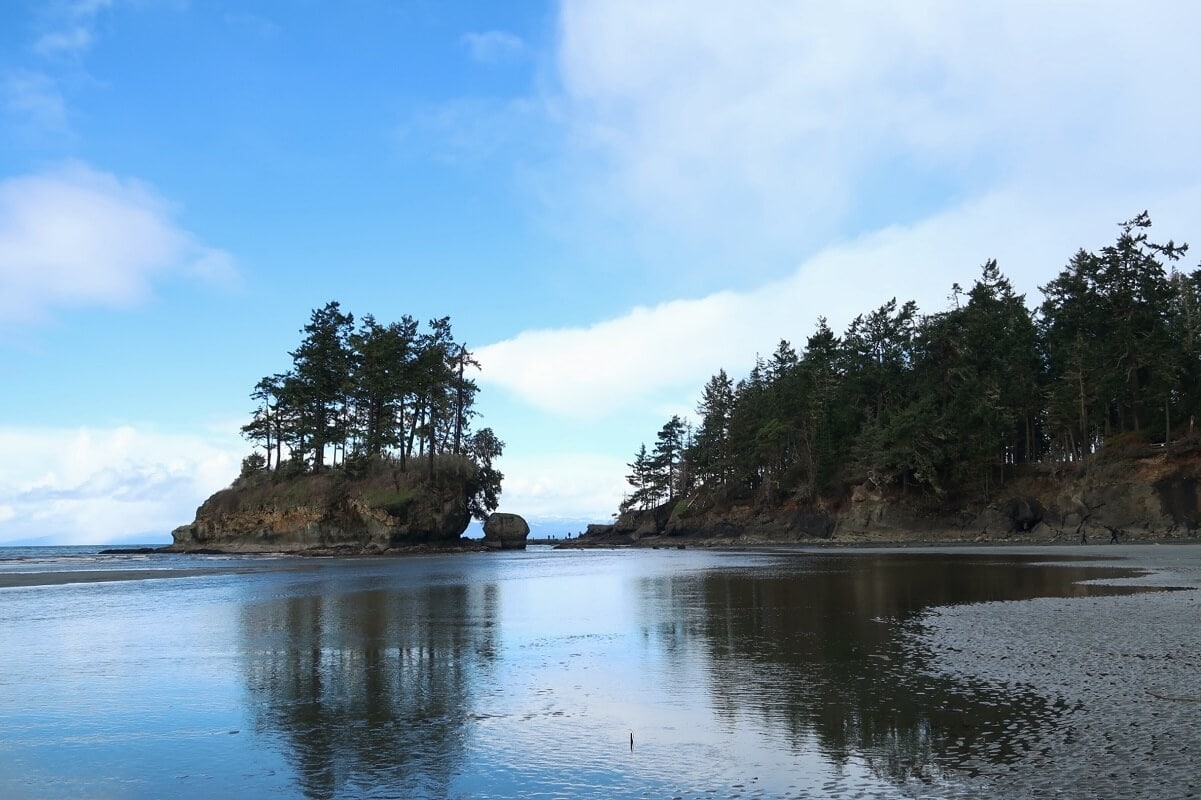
(610, 199)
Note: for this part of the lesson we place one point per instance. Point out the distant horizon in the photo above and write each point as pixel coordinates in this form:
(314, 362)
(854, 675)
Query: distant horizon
(539, 529)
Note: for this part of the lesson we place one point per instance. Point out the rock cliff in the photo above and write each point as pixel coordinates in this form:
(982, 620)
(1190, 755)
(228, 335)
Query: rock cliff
(379, 509)
(1154, 494)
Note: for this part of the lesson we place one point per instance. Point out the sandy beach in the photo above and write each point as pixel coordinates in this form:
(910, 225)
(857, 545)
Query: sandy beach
(1125, 673)
(20, 579)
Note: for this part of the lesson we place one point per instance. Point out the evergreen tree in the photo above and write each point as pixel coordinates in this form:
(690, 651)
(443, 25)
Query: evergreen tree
(483, 447)
(321, 376)
(709, 453)
(949, 404)
(376, 390)
(828, 421)
(879, 350)
(667, 459)
(464, 389)
(382, 364)
(640, 480)
(264, 425)
(1108, 339)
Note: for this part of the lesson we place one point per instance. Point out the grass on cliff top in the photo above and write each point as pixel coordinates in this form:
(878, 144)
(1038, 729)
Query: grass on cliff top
(391, 501)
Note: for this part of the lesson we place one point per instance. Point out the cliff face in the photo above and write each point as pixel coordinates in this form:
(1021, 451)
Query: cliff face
(371, 512)
(1153, 495)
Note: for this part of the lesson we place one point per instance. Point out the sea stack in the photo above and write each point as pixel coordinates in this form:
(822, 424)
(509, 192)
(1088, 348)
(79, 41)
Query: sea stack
(505, 532)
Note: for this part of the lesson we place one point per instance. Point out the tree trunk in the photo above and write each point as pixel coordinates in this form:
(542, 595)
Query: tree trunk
(1030, 455)
(418, 418)
(432, 428)
(319, 442)
(267, 426)
(1083, 412)
(400, 415)
(459, 400)
(279, 439)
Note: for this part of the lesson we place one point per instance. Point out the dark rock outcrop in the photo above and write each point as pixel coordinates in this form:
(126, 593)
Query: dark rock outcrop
(505, 532)
(381, 510)
(1154, 495)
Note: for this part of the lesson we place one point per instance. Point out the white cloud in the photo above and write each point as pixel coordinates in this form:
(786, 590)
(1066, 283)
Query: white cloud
(71, 28)
(93, 485)
(662, 355)
(96, 485)
(78, 237)
(33, 101)
(493, 47)
(548, 486)
(748, 123)
(76, 39)
(467, 131)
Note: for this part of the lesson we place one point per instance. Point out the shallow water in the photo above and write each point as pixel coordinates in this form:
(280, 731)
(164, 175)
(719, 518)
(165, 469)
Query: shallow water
(515, 675)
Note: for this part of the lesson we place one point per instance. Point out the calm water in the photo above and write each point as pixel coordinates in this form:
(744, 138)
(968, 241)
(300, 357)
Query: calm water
(498, 675)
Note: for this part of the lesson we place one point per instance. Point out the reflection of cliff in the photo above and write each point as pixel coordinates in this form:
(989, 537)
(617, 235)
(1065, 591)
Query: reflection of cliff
(814, 650)
(367, 689)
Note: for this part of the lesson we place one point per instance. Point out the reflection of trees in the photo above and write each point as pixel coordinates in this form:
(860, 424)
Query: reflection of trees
(369, 689)
(814, 650)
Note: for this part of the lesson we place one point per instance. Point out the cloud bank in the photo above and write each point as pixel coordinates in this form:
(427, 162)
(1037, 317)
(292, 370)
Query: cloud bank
(651, 354)
(74, 236)
(790, 122)
(97, 485)
(573, 486)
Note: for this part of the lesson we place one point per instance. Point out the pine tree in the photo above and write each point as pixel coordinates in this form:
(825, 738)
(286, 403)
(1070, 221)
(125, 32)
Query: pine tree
(321, 371)
(640, 481)
(667, 459)
(709, 452)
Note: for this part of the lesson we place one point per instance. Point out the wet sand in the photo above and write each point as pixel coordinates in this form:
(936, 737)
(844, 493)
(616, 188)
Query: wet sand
(1124, 674)
(20, 579)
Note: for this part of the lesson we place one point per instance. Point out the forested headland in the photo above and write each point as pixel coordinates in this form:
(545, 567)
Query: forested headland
(945, 410)
(367, 439)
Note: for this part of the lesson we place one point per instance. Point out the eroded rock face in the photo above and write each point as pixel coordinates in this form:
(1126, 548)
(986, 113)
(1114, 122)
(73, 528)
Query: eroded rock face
(1154, 496)
(505, 532)
(318, 512)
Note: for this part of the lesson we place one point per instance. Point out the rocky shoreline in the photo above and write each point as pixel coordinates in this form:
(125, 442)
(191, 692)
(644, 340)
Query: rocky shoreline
(1154, 495)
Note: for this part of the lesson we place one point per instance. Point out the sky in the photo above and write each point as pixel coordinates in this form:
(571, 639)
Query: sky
(611, 199)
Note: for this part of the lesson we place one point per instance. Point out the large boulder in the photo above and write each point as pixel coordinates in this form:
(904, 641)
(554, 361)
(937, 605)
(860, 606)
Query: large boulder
(505, 532)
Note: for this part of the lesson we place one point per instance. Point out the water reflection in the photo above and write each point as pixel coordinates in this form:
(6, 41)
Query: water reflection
(370, 690)
(522, 676)
(813, 650)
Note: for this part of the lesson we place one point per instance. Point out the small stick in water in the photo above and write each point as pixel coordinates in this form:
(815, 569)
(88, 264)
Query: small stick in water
(631, 741)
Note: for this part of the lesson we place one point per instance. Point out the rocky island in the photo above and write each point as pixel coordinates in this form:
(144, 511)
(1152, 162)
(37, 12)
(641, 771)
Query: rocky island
(377, 509)
(364, 446)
